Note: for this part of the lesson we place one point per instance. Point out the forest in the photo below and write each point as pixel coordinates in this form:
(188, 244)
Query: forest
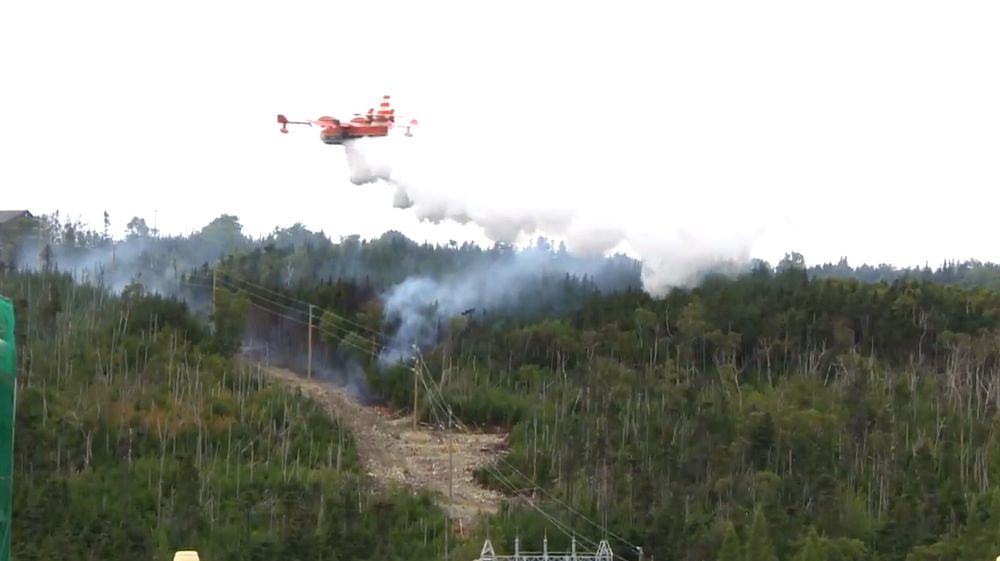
(788, 412)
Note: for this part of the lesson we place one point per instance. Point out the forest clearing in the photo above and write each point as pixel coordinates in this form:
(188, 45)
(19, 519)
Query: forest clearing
(393, 453)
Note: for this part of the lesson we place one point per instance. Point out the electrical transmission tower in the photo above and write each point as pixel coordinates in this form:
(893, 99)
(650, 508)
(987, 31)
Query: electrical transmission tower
(603, 553)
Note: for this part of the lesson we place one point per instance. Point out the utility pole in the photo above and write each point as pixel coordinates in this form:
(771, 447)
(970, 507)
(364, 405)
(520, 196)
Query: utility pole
(451, 476)
(214, 274)
(416, 376)
(451, 464)
(309, 364)
(451, 471)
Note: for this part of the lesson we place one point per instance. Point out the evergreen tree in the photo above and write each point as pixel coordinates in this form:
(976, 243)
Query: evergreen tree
(812, 548)
(759, 547)
(731, 549)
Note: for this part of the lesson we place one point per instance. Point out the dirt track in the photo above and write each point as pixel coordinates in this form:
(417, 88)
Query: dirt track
(392, 451)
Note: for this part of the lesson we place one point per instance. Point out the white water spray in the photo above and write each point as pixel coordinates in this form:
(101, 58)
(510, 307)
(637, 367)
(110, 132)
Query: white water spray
(676, 244)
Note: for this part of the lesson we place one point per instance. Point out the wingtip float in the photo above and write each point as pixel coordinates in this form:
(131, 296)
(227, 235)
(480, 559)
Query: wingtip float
(334, 131)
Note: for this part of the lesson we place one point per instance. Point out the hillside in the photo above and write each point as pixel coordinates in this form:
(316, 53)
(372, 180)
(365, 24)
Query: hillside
(832, 405)
(781, 414)
(136, 435)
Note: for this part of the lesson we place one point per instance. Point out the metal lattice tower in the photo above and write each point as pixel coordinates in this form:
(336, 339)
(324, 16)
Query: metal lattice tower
(603, 553)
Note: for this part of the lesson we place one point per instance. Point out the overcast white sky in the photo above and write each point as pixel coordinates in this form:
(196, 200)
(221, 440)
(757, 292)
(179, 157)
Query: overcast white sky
(869, 129)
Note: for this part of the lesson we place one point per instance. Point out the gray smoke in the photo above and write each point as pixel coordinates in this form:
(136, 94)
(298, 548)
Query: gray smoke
(421, 308)
(158, 263)
(282, 346)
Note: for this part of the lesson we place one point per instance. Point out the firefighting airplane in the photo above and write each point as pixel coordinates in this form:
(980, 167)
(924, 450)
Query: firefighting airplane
(373, 123)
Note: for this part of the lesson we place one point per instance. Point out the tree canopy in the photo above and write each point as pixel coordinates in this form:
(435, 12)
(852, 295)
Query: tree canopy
(788, 412)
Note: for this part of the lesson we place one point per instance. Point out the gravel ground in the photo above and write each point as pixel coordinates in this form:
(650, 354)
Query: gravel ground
(418, 459)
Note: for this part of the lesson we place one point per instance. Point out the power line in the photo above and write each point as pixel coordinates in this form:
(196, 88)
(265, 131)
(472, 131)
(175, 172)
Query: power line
(343, 340)
(448, 410)
(437, 400)
(292, 298)
(335, 315)
(322, 327)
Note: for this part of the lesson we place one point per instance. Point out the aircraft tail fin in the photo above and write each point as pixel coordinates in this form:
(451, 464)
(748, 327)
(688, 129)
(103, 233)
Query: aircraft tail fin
(385, 112)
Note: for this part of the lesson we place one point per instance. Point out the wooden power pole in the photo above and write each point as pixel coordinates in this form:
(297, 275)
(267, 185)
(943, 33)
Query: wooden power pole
(309, 363)
(416, 376)
(214, 281)
(451, 462)
(451, 475)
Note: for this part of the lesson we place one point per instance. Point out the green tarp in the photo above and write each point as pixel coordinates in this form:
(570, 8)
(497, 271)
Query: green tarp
(6, 337)
(8, 369)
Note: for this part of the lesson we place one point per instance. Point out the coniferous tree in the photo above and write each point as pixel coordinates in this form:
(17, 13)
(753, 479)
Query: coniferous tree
(759, 546)
(731, 549)
(812, 548)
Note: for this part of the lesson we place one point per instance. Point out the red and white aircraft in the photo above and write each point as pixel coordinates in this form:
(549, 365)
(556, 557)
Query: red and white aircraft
(374, 123)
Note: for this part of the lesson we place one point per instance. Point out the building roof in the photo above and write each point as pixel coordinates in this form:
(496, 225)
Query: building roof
(8, 215)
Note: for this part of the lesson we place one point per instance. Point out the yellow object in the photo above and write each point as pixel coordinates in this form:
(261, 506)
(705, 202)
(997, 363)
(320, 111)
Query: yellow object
(186, 555)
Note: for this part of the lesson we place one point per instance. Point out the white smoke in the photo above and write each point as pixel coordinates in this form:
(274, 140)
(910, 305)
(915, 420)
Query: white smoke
(506, 197)
(421, 307)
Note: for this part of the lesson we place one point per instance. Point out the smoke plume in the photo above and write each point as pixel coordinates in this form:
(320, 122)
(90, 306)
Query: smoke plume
(677, 245)
(284, 345)
(421, 309)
